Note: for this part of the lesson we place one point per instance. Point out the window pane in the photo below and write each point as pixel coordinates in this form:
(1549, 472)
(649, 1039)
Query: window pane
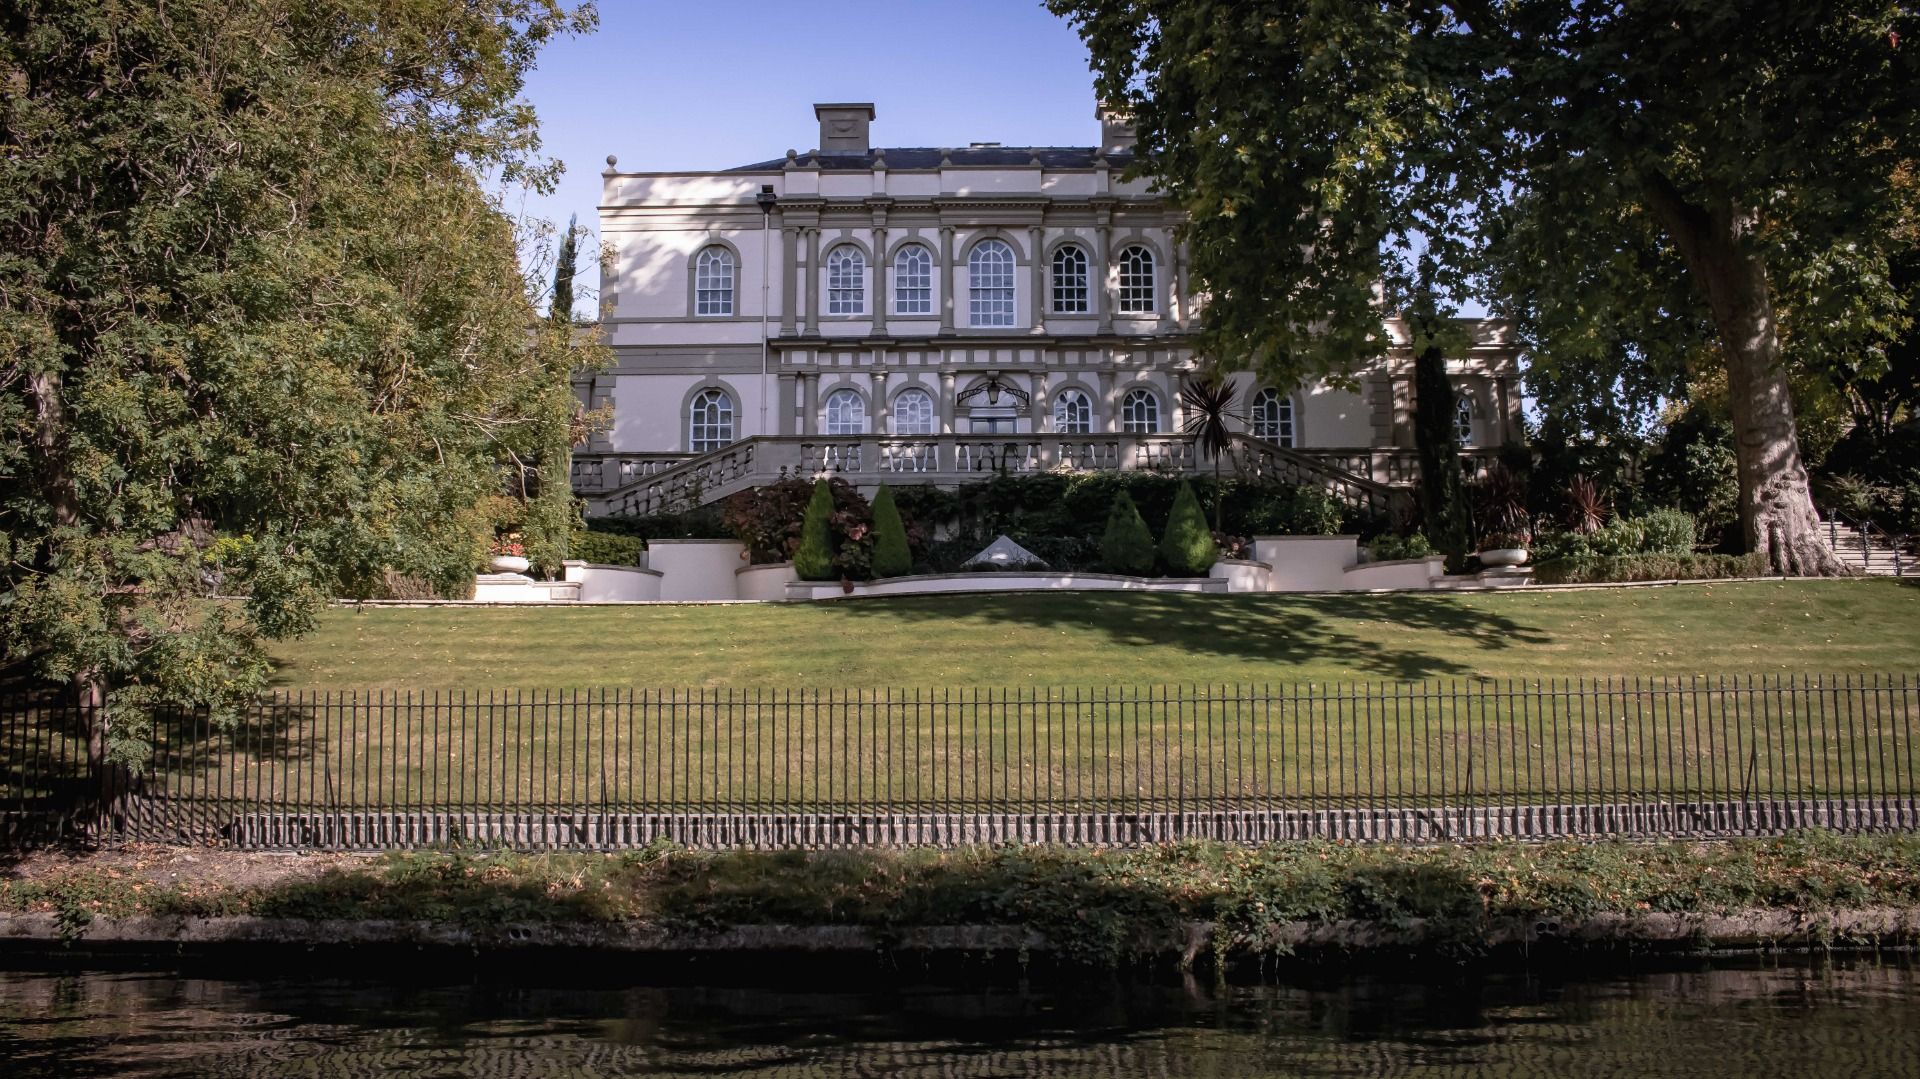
(846, 289)
(913, 413)
(1070, 292)
(1463, 419)
(1273, 417)
(1140, 413)
(709, 421)
(990, 284)
(913, 281)
(1072, 413)
(713, 282)
(1136, 280)
(846, 413)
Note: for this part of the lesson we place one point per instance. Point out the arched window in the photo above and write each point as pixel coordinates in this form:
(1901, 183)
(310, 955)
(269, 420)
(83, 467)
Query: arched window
(1136, 281)
(846, 281)
(913, 413)
(1463, 418)
(1070, 290)
(846, 413)
(990, 284)
(713, 282)
(1072, 413)
(709, 421)
(1140, 412)
(913, 281)
(1273, 417)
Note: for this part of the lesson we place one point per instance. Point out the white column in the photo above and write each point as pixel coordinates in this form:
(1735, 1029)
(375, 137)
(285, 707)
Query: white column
(947, 279)
(879, 280)
(813, 282)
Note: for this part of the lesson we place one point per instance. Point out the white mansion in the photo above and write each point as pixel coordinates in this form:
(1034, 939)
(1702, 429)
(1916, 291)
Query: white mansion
(928, 315)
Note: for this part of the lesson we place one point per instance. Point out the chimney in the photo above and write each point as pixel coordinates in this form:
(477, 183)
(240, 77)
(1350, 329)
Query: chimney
(843, 126)
(1116, 129)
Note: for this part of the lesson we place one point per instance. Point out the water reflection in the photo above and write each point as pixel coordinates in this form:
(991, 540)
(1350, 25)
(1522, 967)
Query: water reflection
(1853, 1021)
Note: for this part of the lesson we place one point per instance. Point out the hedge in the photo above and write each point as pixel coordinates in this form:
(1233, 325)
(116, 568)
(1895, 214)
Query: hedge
(813, 559)
(1126, 546)
(1593, 569)
(891, 558)
(1187, 547)
(604, 549)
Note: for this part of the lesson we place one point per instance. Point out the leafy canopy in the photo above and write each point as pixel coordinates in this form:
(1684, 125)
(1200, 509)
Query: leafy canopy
(262, 328)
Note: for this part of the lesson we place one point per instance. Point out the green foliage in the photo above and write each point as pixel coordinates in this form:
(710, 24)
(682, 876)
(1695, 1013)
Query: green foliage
(891, 556)
(1667, 531)
(1187, 547)
(813, 557)
(1591, 569)
(770, 519)
(1444, 511)
(1593, 170)
(1102, 907)
(560, 307)
(1389, 547)
(256, 291)
(606, 549)
(1126, 546)
(704, 522)
(1691, 467)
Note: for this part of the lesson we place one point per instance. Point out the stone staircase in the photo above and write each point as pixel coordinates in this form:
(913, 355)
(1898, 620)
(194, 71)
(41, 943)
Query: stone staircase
(1873, 553)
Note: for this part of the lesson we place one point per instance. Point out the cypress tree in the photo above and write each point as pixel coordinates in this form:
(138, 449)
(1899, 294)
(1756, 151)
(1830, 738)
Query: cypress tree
(890, 555)
(1127, 546)
(1187, 547)
(813, 560)
(560, 310)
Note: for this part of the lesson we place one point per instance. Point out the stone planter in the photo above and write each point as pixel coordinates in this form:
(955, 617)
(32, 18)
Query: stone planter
(1503, 556)
(510, 563)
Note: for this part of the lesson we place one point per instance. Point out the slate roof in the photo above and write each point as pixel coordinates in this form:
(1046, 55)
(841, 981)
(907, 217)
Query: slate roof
(928, 157)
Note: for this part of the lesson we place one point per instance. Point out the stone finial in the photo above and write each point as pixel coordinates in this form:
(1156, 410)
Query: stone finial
(880, 159)
(611, 162)
(946, 158)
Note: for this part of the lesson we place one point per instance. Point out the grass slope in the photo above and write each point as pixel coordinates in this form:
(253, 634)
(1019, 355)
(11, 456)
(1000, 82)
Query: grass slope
(1078, 639)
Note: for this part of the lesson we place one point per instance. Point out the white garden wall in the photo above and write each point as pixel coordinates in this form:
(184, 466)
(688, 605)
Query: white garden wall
(765, 582)
(1307, 563)
(696, 569)
(613, 584)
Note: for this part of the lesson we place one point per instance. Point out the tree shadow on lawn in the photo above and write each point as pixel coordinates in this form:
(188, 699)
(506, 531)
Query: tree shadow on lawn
(1287, 631)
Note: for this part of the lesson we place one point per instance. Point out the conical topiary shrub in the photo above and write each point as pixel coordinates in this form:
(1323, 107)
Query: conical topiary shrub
(890, 555)
(813, 559)
(1188, 548)
(1127, 545)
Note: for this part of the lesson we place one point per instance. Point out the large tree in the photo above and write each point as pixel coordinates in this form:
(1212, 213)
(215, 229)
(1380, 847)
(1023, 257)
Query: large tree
(1626, 180)
(262, 326)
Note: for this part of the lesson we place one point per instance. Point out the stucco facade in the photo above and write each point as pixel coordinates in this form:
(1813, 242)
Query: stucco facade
(925, 292)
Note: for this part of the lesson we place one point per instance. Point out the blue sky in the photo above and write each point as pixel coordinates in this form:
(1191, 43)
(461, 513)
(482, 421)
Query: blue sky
(690, 85)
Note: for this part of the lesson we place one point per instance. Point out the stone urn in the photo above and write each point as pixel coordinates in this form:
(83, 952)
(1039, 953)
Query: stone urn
(1503, 557)
(510, 563)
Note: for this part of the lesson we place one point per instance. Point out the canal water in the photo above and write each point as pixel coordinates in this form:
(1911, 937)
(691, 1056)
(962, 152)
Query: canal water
(1849, 1019)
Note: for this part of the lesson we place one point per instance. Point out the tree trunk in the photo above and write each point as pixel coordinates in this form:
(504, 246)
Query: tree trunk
(1776, 504)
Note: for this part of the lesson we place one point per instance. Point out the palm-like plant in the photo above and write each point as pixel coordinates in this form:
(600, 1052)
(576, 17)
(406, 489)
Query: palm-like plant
(1209, 400)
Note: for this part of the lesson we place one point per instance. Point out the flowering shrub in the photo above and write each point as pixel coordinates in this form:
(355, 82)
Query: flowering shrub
(507, 545)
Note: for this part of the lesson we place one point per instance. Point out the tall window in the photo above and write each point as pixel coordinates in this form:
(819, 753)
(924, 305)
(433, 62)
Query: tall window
(1070, 281)
(1273, 417)
(1140, 412)
(913, 281)
(846, 413)
(990, 284)
(913, 413)
(713, 282)
(1072, 413)
(846, 281)
(1463, 418)
(709, 421)
(1136, 280)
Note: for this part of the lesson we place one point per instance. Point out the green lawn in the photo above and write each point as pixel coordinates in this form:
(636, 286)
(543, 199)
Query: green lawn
(1091, 639)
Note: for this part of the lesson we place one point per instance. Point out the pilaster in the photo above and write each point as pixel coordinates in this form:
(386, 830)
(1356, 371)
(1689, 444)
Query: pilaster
(809, 402)
(1109, 421)
(946, 400)
(1036, 288)
(788, 294)
(813, 282)
(783, 402)
(879, 276)
(882, 410)
(947, 279)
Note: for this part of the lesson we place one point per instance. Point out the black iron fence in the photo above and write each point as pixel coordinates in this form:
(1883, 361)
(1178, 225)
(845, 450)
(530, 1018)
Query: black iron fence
(724, 767)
